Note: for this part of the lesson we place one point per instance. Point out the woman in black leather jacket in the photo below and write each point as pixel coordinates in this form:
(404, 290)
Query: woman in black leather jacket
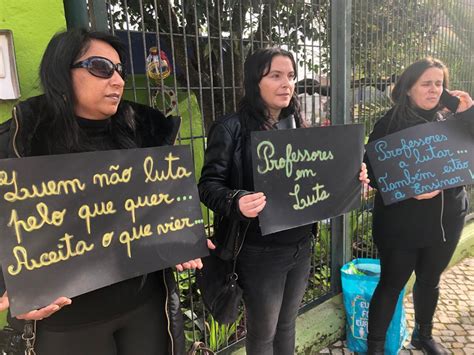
(418, 234)
(273, 269)
(83, 77)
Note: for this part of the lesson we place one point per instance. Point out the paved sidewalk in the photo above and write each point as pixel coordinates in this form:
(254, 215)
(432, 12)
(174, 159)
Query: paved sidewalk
(454, 318)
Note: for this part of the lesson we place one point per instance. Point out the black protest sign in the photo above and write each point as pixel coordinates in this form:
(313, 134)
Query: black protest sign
(74, 223)
(307, 174)
(421, 159)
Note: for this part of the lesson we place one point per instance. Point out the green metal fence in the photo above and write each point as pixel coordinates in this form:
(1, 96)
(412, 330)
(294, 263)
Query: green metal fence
(367, 42)
(207, 43)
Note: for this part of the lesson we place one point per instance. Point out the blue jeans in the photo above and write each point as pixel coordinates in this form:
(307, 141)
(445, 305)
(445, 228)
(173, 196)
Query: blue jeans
(273, 279)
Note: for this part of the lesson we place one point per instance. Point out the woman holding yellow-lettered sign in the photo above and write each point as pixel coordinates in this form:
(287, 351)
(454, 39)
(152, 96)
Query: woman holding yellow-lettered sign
(83, 77)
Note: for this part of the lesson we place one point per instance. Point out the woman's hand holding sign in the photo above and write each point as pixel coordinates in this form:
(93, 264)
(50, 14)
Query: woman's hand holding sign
(4, 304)
(37, 314)
(252, 204)
(196, 263)
(427, 195)
(364, 175)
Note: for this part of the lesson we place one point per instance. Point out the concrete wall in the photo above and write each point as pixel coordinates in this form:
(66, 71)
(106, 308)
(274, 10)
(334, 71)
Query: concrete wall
(33, 22)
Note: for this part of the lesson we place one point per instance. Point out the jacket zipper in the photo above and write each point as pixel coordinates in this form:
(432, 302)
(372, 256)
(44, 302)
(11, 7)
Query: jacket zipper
(167, 314)
(441, 217)
(17, 128)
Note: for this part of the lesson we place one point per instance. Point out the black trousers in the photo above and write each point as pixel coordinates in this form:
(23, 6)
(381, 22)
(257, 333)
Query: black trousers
(139, 331)
(274, 280)
(397, 266)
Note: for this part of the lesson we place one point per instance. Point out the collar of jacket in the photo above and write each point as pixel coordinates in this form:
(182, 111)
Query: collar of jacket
(154, 128)
(23, 125)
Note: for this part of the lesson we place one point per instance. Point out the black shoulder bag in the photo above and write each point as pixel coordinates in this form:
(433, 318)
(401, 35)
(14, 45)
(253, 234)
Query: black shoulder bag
(217, 281)
(14, 342)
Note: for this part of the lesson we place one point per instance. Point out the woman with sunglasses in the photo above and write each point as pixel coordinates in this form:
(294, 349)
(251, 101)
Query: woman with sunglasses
(83, 77)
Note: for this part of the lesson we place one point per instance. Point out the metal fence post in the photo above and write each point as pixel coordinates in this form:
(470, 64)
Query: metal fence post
(76, 13)
(340, 83)
(80, 15)
(98, 15)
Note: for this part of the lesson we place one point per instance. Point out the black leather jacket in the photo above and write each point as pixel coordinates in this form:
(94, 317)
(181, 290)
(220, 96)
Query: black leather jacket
(225, 176)
(153, 129)
(221, 183)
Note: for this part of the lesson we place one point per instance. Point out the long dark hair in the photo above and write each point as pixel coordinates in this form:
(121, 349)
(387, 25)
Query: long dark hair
(62, 51)
(402, 106)
(251, 107)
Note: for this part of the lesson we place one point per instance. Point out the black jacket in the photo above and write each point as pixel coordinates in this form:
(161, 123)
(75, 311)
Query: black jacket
(222, 182)
(226, 176)
(153, 129)
(416, 223)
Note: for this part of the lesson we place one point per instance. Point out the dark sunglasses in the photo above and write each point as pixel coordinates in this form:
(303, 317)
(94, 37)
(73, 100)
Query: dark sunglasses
(101, 67)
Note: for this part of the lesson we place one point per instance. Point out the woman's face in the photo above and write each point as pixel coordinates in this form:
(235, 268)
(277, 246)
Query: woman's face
(426, 91)
(97, 98)
(276, 88)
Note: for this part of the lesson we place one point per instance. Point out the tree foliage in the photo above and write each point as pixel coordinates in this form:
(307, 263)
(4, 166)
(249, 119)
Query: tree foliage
(388, 34)
(455, 41)
(211, 38)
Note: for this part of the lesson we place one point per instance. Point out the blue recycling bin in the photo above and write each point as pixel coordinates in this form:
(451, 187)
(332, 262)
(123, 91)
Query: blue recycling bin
(359, 280)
